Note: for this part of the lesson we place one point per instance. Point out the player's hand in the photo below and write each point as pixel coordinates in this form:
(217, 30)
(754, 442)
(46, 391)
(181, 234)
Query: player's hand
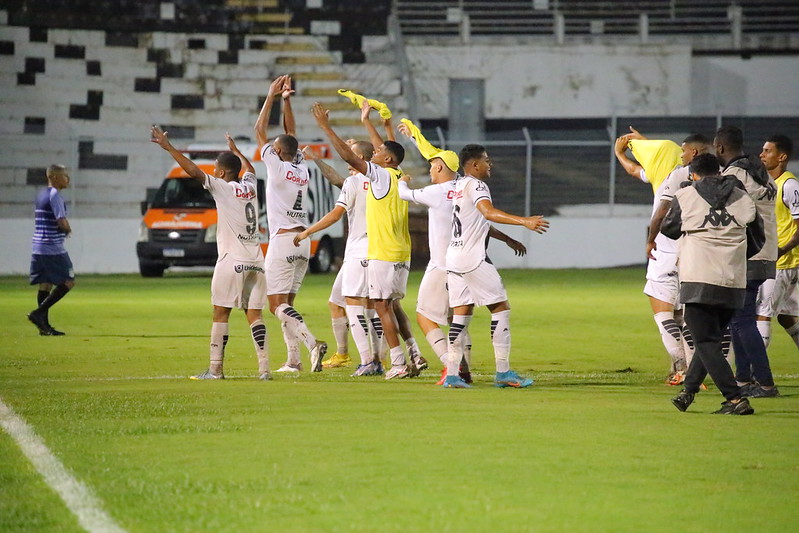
(159, 137)
(406, 178)
(365, 110)
(517, 247)
(321, 114)
(404, 129)
(621, 144)
(309, 153)
(536, 223)
(287, 90)
(650, 247)
(276, 87)
(231, 144)
(635, 134)
(301, 236)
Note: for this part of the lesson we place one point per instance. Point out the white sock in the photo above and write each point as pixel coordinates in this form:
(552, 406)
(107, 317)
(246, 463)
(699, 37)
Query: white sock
(259, 339)
(295, 324)
(671, 335)
(292, 345)
(500, 338)
(219, 336)
(397, 356)
(764, 327)
(340, 327)
(688, 345)
(455, 344)
(793, 331)
(375, 332)
(359, 328)
(435, 337)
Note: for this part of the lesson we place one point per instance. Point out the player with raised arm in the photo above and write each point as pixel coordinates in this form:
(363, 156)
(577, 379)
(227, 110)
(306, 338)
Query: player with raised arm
(238, 279)
(287, 180)
(389, 243)
(432, 306)
(350, 289)
(472, 280)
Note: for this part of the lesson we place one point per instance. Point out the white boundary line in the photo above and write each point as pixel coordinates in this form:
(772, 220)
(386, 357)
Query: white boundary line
(77, 496)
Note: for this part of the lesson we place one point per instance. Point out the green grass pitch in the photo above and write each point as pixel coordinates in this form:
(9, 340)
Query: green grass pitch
(594, 445)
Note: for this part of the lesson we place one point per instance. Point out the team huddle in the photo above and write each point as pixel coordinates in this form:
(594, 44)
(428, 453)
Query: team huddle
(723, 258)
(365, 298)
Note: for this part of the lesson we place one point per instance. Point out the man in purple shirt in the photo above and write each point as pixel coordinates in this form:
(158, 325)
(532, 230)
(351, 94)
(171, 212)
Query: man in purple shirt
(50, 263)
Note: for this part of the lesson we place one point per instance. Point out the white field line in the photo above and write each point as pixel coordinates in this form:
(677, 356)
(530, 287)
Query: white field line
(77, 496)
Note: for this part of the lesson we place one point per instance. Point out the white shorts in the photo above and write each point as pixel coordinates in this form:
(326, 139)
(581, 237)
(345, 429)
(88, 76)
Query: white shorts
(662, 279)
(433, 299)
(238, 284)
(286, 264)
(351, 281)
(387, 280)
(482, 286)
(779, 296)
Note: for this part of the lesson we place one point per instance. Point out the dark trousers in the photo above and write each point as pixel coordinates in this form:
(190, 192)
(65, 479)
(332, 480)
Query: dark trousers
(751, 359)
(707, 324)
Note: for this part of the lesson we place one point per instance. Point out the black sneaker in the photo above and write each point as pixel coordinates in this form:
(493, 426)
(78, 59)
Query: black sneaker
(740, 408)
(464, 373)
(683, 400)
(757, 391)
(40, 321)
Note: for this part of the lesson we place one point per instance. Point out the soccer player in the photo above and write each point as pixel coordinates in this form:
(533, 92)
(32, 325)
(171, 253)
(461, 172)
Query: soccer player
(715, 221)
(238, 279)
(287, 180)
(50, 263)
(751, 358)
(662, 283)
(473, 280)
(780, 296)
(432, 307)
(350, 289)
(389, 242)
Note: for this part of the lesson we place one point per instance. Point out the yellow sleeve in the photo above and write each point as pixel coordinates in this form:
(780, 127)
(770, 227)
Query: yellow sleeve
(425, 148)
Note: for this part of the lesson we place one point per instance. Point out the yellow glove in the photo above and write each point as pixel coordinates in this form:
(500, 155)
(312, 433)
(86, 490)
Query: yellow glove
(357, 99)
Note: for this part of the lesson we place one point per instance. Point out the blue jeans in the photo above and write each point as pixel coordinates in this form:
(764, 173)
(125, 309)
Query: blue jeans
(751, 359)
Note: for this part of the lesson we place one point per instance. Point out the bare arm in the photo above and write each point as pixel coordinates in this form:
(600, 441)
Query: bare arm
(341, 147)
(535, 223)
(654, 227)
(512, 243)
(262, 123)
(63, 226)
(374, 137)
(389, 127)
(620, 148)
(289, 124)
(160, 138)
(333, 216)
(245, 163)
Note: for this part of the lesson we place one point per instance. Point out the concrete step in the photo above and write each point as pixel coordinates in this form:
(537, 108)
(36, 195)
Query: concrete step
(253, 3)
(320, 76)
(307, 59)
(280, 18)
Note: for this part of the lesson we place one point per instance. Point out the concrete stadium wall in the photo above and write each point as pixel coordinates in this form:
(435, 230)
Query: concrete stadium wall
(107, 246)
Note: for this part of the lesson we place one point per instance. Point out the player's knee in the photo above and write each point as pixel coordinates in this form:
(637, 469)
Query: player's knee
(69, 283)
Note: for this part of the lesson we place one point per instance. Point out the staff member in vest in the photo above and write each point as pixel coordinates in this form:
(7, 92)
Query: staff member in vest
(715, 221)
(779, 297)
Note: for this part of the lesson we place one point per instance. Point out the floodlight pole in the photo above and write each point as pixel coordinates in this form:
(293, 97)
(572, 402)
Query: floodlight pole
(528, 172)
(612, 185)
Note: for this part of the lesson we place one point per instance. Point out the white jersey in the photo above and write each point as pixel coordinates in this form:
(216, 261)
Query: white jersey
(665, 193)
(237, 217)
(438, 200)
(286, 190)
(353, 200)
(467, 246)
